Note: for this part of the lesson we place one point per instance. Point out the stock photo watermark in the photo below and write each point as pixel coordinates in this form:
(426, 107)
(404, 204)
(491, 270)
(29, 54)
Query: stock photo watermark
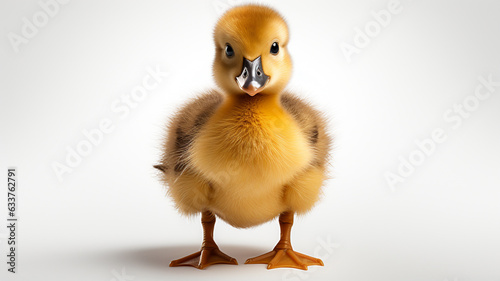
(454, 117)
(121, 276)
(120, 109)
(30, 27)
(324, 250)
(12, 219)
(221, 6)
(363, 36)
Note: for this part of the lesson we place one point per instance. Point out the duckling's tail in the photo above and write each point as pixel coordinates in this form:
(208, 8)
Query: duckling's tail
(160, 167)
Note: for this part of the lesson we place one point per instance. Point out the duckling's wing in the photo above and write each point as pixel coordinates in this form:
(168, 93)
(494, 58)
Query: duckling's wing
(183, 128)
(312, 123)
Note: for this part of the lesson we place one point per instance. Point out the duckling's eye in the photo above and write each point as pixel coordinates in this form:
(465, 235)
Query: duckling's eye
(229, 51)
(275, 48)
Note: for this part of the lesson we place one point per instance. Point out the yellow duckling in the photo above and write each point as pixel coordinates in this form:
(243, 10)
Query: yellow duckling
(249, 152)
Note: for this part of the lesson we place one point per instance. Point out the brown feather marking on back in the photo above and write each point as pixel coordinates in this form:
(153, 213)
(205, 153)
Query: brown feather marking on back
(184, 127)
(312, 124)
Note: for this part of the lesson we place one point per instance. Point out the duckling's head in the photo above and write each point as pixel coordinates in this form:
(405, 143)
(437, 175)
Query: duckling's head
(250, 51)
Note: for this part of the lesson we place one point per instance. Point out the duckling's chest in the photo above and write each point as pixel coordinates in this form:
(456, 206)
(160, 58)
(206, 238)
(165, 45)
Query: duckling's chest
(252, 146)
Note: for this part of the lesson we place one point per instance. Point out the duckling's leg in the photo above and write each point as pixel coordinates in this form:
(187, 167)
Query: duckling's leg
(283, 255)
(209, 253)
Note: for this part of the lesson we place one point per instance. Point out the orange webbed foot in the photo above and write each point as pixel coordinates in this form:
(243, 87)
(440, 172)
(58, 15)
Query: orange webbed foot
(204, 258)
(285, 258)
(283, 254)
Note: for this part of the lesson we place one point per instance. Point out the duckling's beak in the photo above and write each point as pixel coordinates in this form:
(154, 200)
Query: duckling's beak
(252, 78)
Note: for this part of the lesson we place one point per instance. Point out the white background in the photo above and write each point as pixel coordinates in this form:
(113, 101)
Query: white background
(111, 214)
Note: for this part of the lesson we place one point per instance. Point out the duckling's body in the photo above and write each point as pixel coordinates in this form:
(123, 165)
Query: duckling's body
(247, 156)
(248, 152)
